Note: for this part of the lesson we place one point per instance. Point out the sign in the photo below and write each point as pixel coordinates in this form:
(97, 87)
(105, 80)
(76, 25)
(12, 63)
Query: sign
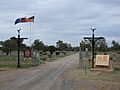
(102, 60)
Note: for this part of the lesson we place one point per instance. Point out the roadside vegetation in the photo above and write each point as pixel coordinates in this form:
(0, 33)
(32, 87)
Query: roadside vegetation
(37, 54)
(85, 72)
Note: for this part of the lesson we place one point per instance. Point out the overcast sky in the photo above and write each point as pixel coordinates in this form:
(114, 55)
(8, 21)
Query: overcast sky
(67, 20)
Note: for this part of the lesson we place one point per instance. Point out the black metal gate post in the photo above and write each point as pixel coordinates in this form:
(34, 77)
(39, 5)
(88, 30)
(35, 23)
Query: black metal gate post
(18, 48)
(93, 47)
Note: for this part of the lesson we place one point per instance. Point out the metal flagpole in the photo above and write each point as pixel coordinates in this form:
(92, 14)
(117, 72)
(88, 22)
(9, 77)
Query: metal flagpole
(30, 33)
(31, 47)
(30, 41)
(18, 48)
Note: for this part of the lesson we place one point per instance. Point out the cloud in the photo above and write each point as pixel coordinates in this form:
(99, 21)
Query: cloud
(68, 20)
(110, 2)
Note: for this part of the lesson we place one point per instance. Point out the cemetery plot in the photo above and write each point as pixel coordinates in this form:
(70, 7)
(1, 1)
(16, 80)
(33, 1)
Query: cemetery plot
(10, 60)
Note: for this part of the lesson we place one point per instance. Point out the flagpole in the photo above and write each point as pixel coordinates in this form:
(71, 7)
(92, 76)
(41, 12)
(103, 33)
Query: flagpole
(30, 40)
(30, 34)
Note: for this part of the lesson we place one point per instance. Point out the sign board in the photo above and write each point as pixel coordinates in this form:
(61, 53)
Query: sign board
(102, 60)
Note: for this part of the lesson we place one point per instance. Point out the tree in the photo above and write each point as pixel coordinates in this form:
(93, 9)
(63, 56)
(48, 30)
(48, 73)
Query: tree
(115, 45)
(1, 43)
(63, 46)
(10, 45)
(59, 43)
(38, 45)
(85, 44)
(51, 49)
(101, 45)
(69, 47)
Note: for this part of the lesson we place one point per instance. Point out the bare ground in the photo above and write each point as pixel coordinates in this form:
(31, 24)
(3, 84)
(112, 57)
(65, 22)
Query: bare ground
(51, 76)
(37, 78)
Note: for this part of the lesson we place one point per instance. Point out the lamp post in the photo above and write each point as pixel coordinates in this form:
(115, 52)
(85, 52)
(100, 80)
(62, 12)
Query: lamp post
(93, 46)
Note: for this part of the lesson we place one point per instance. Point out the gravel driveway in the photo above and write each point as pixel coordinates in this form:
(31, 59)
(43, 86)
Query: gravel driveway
(44, 77)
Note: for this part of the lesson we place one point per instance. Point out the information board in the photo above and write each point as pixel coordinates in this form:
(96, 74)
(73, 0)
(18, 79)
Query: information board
(102, 60)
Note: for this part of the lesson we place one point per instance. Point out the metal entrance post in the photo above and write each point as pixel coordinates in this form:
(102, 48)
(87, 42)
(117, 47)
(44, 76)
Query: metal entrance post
(18, 45)
(93, 47)
(18, 48)
(80, 58)
(92, 40)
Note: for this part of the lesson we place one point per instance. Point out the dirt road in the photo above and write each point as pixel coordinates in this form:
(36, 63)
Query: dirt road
(42, 77)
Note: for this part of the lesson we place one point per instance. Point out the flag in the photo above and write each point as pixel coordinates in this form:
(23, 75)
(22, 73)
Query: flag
(30, 19)
(17, 21)
(24, 19)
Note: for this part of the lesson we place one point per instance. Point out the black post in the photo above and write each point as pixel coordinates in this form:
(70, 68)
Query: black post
(18, 48)
(93, 46)
(80, 58)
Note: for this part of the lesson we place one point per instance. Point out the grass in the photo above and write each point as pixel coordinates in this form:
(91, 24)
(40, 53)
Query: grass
(77, 74)
(10, 62)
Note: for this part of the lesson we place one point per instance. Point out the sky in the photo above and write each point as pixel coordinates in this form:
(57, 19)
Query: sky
(66, 20)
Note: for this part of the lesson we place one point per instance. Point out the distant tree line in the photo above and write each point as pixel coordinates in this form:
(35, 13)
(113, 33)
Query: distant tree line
(100, 45)
(10, 45)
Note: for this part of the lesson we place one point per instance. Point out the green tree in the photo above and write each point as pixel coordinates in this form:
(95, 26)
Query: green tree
(63, 46)
(38, 45)
(85, 44)
(1, 43)
(101, 45)
(51, 49)
(10, 45)
(115, 45)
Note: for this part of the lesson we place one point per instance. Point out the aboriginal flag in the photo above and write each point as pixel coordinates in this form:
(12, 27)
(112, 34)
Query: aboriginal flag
(24, 19)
